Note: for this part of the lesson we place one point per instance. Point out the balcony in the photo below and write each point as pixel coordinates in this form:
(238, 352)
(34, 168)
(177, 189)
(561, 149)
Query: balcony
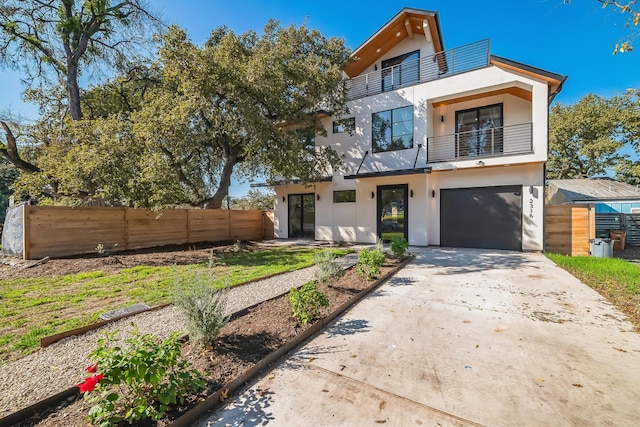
(433, 67)
(477, 144)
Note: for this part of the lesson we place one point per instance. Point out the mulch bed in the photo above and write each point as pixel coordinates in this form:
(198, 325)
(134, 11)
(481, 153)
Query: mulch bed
(116, 261)
(242, 343)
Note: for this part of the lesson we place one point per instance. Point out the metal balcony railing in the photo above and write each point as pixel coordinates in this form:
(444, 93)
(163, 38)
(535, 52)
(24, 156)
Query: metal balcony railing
(442, 64)
(493, 142)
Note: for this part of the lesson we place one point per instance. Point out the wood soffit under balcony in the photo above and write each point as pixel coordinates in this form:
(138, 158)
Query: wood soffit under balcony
(409, 23)
(515, 91)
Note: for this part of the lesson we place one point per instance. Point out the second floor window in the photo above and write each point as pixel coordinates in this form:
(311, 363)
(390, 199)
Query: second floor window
(392, 129)
(479, 131)
(401, 71)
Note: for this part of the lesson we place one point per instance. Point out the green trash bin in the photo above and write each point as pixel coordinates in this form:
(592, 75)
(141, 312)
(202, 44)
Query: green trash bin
(601, 248)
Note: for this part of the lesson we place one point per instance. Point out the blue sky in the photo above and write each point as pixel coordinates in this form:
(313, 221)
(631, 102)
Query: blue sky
(574, 39)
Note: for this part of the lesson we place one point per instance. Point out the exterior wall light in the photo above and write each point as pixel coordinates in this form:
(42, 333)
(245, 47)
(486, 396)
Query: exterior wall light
(442, 119)
(373, 195)
(284, 199)
(317, 197)
(410, 193)
(433, 193)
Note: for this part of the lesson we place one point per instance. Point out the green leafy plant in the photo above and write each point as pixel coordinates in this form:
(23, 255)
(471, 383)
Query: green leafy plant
(138, 380)
(399, 246)
(204, 306)
(370, 263)
(307, 302)
(328, 268)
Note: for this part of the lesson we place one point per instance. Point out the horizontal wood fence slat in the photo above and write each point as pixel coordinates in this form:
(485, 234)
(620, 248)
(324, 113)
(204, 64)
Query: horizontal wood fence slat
(58, 231)
(568, 229)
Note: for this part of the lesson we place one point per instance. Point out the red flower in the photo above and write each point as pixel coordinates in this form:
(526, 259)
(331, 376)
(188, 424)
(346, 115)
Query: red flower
(92, 368)
(90, 383)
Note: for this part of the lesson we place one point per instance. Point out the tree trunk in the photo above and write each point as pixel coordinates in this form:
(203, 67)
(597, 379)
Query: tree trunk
(73, 90)
(11, 152)
(215, 202)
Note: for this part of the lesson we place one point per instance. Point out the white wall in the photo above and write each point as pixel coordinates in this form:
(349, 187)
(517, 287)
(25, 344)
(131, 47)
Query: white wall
(427, 119)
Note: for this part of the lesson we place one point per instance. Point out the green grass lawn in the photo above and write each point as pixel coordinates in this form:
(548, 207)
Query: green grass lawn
(37, 307)
(616, 279)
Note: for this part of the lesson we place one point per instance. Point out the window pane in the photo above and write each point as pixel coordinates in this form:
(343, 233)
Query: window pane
(344, 196)
(401, 70)
(392, 130)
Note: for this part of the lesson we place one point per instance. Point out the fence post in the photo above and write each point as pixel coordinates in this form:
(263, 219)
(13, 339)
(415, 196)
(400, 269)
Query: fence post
(126, 228)
(26, 231)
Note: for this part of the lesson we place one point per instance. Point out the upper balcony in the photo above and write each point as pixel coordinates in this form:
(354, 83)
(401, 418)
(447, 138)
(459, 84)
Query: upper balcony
(439, 65)
(482, 143)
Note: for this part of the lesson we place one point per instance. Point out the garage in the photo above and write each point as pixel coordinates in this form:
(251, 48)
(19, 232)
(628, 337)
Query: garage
(482, 217)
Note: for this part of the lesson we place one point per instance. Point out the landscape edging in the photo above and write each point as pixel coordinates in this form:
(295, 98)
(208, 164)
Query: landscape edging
(214, 401)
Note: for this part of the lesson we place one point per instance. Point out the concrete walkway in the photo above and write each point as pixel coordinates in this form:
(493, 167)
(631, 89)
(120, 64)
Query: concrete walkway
(459, 337)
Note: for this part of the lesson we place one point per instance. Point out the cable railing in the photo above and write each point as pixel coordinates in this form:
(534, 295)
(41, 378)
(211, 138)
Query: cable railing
(439, 65)
(491, 142)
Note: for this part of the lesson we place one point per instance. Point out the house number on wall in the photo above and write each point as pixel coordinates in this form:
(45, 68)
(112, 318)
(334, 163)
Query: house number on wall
(530, 208)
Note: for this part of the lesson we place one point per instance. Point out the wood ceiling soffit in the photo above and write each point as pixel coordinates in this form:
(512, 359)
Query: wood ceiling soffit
(515, 91)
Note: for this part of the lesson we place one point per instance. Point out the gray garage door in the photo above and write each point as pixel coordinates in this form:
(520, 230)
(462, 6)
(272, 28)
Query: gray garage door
(484, 217)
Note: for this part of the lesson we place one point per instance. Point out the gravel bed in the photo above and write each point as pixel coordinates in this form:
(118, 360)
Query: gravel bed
(61, 365)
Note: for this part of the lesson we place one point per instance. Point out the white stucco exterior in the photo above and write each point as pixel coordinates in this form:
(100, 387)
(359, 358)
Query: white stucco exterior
(524, 97)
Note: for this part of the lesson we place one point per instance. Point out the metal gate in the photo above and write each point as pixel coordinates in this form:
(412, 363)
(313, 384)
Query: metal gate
(606, 222)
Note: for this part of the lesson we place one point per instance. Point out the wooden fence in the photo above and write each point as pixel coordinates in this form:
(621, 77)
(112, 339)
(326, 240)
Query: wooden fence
(57, 231)
(568, 229)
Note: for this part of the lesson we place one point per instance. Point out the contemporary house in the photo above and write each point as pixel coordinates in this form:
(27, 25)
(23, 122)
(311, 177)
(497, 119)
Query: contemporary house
(443, 147)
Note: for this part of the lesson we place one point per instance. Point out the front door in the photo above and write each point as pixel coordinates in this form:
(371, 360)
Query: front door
(393, 211)
(302, 215)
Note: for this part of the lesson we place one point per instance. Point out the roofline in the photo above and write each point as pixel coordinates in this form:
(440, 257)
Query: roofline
(389, 173)
(608, 199)
(547, 75)
(292, 182)
(432, 13)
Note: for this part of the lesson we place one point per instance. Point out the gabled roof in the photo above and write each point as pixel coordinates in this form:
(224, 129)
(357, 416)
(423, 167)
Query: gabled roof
(589, 189)
(407, 23)
(555, 81)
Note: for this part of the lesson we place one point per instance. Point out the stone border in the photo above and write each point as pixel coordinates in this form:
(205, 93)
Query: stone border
(213, 401)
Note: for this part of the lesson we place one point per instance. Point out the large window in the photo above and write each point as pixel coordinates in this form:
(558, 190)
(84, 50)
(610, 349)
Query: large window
(401, 70)
(392, 129)
(479, 131)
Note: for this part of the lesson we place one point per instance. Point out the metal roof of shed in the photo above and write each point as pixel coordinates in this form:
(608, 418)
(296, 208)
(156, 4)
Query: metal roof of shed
(590, 189)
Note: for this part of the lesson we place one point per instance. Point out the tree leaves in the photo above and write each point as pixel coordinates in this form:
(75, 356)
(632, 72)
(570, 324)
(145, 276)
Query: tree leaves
(586, 139)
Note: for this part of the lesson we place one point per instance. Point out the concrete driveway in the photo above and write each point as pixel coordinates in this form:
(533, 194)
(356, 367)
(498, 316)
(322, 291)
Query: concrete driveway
(459, 337)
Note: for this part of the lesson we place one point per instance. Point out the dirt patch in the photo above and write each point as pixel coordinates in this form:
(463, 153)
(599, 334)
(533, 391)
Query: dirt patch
(13, 268)
(242, 342)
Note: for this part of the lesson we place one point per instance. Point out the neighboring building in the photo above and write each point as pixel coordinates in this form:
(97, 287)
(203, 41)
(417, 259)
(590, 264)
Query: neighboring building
(443, 147)
(617, 204)
(607, 195)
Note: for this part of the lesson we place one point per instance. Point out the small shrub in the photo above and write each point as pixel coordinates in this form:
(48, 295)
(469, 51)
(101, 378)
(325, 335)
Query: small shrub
(307, 302)
(204, 306)
(398, 246)
(370, 263)
(239, 246)
(138, 380)
(328, 268)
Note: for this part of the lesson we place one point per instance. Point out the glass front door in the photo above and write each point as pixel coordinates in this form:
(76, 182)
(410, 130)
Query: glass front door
(392, 211)
(302, 215)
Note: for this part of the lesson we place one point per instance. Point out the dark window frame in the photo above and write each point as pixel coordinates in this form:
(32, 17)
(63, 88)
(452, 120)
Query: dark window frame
(347, 125)
(499, 137)
(374, 145)
(410, 75)
(344, 192)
